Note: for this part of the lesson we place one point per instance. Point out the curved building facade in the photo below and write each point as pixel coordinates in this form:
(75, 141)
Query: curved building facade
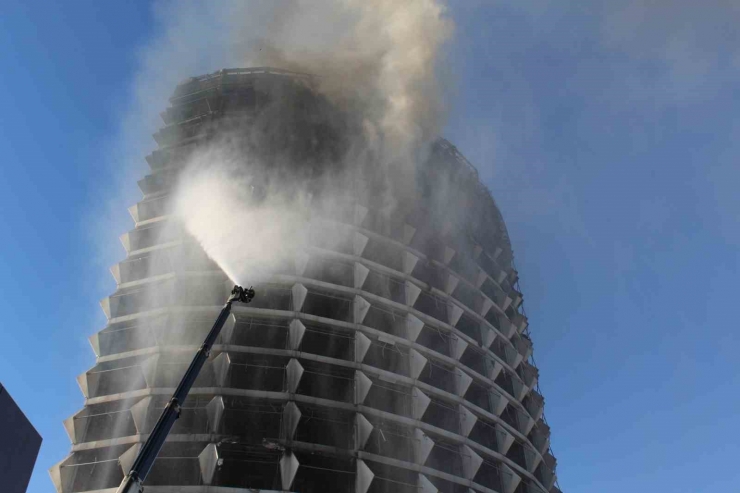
(395, 360)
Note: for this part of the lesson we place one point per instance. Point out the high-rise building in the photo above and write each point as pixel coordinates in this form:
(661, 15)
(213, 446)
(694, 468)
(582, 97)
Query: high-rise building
(19, 445)
(396, 359)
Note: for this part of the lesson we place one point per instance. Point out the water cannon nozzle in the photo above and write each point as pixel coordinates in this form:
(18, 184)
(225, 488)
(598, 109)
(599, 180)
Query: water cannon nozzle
(241, 294)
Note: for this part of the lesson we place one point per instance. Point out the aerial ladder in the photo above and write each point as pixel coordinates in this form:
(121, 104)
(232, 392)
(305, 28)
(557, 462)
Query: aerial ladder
(133, 481)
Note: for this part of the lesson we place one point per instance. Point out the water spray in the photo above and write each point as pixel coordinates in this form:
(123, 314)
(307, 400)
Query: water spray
(132, 482)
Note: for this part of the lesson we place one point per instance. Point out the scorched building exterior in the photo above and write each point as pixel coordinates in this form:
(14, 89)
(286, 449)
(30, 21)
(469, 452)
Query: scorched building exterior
(396, 361)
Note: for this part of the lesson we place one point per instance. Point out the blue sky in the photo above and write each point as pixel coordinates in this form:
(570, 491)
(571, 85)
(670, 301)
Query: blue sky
(605, 132)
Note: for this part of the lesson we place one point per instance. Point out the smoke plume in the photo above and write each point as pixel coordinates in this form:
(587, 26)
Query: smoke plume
(376, 57)
(248, 196)
(254, 195)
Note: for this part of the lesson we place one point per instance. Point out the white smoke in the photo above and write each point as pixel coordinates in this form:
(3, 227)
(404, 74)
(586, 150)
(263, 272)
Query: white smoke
(376, 60)
(381, 56)
(384, 58)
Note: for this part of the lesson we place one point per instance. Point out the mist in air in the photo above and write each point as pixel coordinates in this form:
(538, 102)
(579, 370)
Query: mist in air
(248, 236)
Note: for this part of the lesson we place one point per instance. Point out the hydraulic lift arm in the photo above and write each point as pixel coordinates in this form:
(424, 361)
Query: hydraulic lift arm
(132, 482)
